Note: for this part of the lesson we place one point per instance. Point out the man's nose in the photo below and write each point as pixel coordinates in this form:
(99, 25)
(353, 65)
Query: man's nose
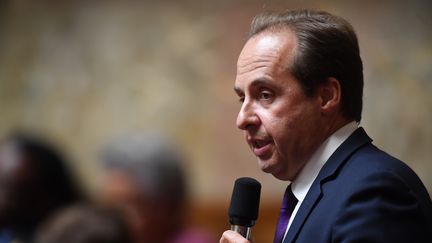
(247, 117)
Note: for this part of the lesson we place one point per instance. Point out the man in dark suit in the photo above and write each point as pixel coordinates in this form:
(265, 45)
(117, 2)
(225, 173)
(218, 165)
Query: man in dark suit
(300, 82)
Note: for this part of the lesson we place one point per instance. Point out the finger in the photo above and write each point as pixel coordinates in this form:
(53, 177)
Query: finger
(230, 236)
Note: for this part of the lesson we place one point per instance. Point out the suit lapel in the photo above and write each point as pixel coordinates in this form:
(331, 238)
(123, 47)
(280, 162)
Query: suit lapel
(336, 161)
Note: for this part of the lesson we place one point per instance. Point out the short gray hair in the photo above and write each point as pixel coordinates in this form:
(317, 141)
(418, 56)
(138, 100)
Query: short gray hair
(151, 161)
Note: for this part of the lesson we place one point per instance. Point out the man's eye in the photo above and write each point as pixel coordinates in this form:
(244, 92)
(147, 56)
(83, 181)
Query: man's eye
(265, 95)
(241, 99)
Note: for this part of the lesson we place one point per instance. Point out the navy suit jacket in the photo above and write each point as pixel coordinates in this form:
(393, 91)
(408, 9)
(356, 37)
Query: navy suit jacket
(362, 195)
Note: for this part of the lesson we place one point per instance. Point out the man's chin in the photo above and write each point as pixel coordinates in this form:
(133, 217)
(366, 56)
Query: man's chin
(269, 169)
(266, 166)
(282, 177)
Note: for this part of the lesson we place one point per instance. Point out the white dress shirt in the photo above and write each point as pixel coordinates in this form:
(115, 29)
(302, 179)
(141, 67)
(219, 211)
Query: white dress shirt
(301, 185)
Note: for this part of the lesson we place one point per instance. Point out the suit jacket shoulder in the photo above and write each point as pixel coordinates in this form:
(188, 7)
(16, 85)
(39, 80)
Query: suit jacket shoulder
(362, 194)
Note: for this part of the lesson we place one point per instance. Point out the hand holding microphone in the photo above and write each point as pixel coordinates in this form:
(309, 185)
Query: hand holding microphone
(243, 210)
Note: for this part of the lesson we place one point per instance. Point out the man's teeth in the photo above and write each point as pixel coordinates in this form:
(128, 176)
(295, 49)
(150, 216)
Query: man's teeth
(260, 144)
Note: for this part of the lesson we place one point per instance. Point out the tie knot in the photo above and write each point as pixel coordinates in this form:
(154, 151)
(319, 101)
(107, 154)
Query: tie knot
(289, 199)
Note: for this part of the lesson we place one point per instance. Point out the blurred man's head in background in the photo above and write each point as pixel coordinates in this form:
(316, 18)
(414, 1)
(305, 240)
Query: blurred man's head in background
(34, 181)
(84, 223)
(145, 177)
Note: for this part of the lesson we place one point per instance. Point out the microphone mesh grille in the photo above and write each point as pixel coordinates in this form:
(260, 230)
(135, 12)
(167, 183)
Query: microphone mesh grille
(245, 200)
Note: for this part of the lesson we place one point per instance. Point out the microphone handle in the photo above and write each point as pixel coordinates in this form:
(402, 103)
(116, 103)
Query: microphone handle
(243, 230)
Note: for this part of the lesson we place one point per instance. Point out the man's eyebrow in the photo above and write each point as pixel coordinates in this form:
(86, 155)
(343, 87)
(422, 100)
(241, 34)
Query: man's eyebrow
(261, 81)
(238, 90)
(256, 82)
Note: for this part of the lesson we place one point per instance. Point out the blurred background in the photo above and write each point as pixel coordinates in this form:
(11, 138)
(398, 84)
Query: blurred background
(83, 72)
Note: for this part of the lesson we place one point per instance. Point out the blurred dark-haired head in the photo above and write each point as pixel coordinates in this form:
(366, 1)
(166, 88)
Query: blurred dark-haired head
(34, 181)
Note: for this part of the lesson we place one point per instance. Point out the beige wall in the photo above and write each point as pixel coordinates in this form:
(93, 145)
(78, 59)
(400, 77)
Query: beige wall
(82, 73)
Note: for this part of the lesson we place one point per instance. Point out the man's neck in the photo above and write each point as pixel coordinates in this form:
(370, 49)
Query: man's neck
(310, 171)
(335, 124)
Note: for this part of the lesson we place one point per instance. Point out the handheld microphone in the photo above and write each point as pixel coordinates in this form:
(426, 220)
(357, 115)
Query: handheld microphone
(243, 210)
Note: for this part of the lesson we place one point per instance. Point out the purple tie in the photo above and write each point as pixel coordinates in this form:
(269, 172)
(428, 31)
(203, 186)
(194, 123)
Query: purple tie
(288, 204)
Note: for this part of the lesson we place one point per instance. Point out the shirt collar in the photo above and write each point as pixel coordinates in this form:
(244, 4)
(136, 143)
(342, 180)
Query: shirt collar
(300, 186)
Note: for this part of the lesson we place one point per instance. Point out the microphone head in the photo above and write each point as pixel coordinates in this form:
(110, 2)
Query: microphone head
(245, 200)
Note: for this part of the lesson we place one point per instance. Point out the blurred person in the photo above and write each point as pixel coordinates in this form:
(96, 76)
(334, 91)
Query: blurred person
(300, 85)
(34, 182)
(144, 175)
(84, 223)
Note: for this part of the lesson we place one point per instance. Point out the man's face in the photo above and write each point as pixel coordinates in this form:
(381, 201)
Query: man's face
(280, 123)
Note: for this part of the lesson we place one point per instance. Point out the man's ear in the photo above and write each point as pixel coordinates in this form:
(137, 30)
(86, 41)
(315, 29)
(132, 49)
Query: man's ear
(330, 95)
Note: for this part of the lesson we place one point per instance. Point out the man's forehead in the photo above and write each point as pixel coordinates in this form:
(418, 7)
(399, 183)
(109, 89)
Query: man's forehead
(266, 42)
(266, 52)
(269, 46)
(269, 39)
(262, 44)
